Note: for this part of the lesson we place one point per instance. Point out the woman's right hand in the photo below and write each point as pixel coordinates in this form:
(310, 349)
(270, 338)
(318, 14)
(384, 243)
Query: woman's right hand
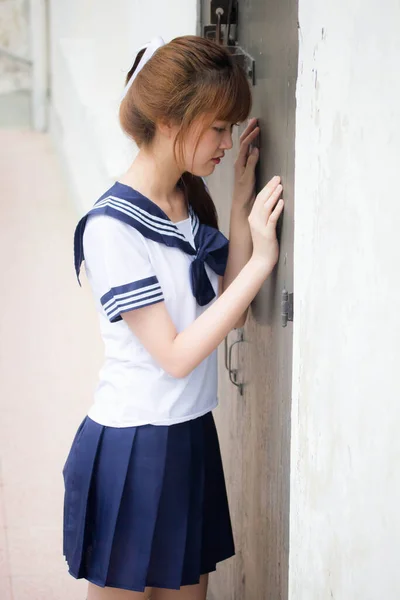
(263, 219)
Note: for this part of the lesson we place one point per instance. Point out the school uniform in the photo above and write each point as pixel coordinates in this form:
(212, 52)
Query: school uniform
(145, 498)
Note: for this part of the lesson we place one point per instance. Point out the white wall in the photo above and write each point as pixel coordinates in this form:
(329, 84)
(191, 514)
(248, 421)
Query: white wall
(345, 489)
(92, 48)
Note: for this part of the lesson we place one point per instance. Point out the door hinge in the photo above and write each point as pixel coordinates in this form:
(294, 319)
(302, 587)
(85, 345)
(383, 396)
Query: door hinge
(286, 307)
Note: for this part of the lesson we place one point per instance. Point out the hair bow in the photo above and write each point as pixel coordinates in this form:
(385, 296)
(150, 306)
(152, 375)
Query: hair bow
(151, 48)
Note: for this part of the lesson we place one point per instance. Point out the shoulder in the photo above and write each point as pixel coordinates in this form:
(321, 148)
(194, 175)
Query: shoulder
(102, 229)
(111, 240)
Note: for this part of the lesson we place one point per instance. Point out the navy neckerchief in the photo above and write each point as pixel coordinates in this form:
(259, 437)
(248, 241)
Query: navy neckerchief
(126, 204)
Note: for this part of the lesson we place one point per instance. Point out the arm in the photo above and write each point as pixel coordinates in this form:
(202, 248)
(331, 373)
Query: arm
(179, 354)
(240, 241)
(240, 249)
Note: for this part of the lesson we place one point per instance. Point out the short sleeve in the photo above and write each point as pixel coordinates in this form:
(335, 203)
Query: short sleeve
(118, 266)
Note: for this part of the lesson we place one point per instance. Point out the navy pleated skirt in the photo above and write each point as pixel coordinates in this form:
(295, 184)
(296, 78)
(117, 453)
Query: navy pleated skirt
(145, 506)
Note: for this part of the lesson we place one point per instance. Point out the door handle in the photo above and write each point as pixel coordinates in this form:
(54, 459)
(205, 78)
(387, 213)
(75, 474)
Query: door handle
(233, 372)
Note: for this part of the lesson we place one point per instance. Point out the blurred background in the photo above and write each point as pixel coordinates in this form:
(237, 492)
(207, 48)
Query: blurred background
(62, 71)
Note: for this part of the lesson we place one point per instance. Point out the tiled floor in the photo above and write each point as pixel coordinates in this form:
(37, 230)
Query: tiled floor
(49, 356)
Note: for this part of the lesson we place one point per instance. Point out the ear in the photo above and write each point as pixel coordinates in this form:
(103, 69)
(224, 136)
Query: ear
(167, 129)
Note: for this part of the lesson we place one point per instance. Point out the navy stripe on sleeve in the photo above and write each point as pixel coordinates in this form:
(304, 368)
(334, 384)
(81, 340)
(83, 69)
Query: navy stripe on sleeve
(124, 298)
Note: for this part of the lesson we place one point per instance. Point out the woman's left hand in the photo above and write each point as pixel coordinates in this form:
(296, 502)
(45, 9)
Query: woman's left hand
(244, 192)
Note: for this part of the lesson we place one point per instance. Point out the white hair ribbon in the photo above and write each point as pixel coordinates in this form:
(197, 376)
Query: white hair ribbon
(151, 47)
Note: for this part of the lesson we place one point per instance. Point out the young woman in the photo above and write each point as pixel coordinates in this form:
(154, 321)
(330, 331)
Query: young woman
(146, 510)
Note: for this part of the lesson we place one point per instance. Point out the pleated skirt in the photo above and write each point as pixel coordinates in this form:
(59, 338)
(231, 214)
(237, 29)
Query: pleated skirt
(145, 506)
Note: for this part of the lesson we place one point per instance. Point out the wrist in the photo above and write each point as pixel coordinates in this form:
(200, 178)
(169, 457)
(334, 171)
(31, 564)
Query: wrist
(240, 210)
(261, 265)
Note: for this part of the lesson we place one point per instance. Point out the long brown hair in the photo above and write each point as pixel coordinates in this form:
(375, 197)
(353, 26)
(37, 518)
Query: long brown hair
(187, 78)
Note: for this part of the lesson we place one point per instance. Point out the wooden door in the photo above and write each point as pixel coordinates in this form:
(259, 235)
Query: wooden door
(254, 428)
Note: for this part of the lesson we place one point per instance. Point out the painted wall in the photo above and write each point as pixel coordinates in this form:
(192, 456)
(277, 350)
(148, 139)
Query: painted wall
(345, 489)
(93, 44)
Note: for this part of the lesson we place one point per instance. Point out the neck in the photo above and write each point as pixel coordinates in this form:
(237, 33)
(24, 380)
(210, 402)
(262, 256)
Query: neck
(155, 174)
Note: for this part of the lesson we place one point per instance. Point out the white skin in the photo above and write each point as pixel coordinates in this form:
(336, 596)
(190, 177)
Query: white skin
(253, 254)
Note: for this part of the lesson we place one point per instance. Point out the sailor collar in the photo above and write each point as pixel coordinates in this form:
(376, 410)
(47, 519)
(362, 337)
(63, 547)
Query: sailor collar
(131, 207)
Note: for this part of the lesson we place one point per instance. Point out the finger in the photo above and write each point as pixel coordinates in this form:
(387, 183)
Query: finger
(276, 213)
(272, 200)
(250, 137)
(250, 126)
(244, 146)
(252, 159)
(266, 192)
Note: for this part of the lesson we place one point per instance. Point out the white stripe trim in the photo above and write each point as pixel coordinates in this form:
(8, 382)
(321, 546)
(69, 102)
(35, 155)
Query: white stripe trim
(139, 212)
(138, 293)
(132, 305)
(161, 220)
(130, 214)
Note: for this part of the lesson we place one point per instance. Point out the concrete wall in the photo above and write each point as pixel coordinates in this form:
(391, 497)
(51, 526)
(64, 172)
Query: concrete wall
(345, 489)
(92, 48)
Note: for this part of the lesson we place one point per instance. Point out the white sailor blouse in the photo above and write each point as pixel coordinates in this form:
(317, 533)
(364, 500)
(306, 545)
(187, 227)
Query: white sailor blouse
(136, 256)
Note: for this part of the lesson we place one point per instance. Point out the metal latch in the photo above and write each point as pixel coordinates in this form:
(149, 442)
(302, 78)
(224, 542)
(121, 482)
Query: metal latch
(223, 30)
(233, 373)
(286, 307)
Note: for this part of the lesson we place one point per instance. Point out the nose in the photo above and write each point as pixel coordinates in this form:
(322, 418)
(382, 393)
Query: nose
(226, 142)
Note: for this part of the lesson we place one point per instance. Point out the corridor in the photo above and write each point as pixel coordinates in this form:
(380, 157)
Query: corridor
(50, 352)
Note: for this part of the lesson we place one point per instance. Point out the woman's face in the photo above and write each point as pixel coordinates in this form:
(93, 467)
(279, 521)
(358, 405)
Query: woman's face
(211, 147)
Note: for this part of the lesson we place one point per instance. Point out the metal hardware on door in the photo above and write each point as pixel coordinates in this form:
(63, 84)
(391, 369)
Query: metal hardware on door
(218, 33)
(226, 353)
(286, 307)
(224, 22)
(233, 372)
(246, 61)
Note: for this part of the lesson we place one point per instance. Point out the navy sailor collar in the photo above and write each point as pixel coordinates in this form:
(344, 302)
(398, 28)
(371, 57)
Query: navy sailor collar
(130, 206)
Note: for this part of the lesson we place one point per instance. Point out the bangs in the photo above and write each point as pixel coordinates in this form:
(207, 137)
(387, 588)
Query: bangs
(230, 97)
(224, 96)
